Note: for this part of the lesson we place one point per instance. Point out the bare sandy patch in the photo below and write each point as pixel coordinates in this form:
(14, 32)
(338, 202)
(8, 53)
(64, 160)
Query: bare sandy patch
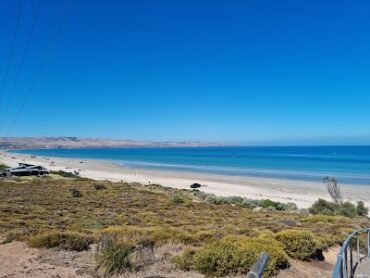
(19, 260)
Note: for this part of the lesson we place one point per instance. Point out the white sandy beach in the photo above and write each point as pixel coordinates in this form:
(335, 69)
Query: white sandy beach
(303, 193)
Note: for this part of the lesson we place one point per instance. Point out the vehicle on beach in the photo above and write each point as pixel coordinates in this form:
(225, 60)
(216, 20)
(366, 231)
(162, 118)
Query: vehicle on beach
(25, 170)
(195, 185)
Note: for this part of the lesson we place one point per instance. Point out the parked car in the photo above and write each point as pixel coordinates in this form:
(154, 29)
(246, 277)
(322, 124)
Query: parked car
(195, 185)
(25, 170)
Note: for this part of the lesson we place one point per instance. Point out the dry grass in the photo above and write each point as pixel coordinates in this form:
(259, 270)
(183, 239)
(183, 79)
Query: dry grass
(33, 208)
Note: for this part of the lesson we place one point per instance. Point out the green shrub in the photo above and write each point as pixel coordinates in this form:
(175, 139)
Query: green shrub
(300, 244)
(177, 200)
(116, 258)
(265, 234)
(245, 202)
(326, 241)
(267, 203)
(3, 167)
(213, 199)
(329, 208)
(123, 249)
(234, 255)
(291, 206)
(66, 240)
(234, 200)
(64, 174)
(249, 203)
(185, 260)
(218, 259)
(361, 209)
(346, 209)
(324, 207)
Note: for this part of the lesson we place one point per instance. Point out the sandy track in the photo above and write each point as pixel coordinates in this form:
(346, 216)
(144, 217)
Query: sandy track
(17, 260)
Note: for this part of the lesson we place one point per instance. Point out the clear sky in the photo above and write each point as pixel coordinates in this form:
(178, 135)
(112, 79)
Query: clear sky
(256, 72)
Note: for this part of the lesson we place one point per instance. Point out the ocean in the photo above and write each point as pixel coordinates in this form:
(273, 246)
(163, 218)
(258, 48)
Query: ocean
(349, 164)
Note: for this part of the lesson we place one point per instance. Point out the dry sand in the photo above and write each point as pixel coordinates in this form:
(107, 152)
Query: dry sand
(20, 261)
(303, 193)
(17, 260)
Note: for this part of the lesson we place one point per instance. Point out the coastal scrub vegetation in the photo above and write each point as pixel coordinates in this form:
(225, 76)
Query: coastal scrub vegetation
(236, 254)
(3, 167)
(185, 260)
(361, 209)
(70, 241)
(115, 257)
(65, 174)
(346, 209)
(129, 222)
(244, 202)
(300, 244)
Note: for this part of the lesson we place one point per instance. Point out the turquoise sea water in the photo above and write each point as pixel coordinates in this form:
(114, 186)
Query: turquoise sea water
(350, 164)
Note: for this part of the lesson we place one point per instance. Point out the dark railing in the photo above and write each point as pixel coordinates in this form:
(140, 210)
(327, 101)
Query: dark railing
(259, 266)
(346, 261)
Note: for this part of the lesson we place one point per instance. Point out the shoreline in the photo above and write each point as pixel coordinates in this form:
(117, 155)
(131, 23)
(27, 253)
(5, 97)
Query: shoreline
(302, 193)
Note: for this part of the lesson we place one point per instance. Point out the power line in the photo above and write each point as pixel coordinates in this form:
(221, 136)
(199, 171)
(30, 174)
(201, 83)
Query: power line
(20, 67)
(11, 50)
(42, 66)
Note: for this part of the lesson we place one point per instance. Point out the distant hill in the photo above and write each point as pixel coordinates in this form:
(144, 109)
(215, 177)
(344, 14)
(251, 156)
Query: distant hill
(9, 143)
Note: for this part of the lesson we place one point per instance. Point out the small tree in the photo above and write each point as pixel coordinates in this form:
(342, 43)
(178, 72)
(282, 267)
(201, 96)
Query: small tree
(333, 189)
(361, 209)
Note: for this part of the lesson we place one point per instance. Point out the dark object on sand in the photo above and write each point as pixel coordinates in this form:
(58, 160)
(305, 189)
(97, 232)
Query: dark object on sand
(195, 185)
(25, 170)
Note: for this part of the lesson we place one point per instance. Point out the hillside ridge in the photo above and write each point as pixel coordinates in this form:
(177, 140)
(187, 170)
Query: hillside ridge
(9, 143)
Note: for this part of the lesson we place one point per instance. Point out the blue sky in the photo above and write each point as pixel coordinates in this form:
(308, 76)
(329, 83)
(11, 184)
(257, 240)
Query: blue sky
(256, 72)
